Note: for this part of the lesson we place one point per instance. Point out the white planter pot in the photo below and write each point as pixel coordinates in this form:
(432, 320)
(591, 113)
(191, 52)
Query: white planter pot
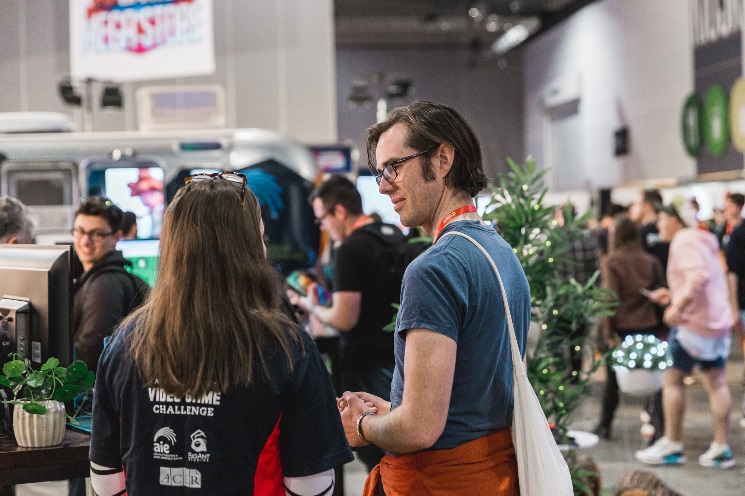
(36, 431)
(638, 382)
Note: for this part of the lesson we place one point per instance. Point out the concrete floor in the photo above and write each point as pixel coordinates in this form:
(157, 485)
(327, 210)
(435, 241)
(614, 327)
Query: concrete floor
(616, 456)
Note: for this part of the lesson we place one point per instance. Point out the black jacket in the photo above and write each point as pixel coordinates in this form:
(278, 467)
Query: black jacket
(103, 296)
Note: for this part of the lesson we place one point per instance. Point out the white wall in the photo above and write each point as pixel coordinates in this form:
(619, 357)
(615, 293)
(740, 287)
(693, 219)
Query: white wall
(634, 61)
(276, 60)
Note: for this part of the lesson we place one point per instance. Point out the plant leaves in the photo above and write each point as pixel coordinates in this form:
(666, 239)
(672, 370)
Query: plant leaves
(66, 393)
(35, 408)
(4, 381)
(14, 368)
(50, 364)
(35, 379)
(76, 371)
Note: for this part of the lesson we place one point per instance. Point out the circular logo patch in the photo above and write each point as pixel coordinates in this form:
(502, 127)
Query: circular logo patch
(716, 120)
(691, 125)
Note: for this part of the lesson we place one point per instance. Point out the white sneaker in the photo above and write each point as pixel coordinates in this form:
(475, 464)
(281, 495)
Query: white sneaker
(718, 455)
(662, 452)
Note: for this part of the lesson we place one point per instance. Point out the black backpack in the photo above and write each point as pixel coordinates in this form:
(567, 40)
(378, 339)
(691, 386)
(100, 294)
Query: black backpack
(139, 289)
(401, 252)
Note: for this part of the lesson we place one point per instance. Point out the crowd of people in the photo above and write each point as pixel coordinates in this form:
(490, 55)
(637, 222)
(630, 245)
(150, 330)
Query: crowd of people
(207, 381)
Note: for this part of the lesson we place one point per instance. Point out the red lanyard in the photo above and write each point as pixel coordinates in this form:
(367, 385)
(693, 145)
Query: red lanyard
(364, 219)
(458, 211)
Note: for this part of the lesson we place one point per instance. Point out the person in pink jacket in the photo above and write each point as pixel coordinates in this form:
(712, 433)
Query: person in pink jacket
(700, 318)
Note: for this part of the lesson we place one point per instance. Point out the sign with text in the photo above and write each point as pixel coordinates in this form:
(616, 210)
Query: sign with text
(134, 40)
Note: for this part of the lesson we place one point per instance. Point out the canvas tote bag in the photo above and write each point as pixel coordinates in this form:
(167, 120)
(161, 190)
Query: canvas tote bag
(541, 468)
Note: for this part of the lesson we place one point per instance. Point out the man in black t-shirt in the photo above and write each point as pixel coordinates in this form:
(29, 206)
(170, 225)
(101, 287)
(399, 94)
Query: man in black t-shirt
(364, 287)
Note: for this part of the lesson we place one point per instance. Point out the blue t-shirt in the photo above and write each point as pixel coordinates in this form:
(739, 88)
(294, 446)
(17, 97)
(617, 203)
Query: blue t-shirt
(452, 289)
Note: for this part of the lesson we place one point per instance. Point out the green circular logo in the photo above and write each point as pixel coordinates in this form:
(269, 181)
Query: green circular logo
(716, 121)
(691, 125)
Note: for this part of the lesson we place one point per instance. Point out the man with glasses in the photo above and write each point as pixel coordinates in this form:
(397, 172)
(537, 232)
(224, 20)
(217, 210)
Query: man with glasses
(449, 419)
(105, 293)
(364, 287)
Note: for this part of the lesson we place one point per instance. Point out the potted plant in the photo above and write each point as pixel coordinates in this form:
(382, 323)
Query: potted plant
(520, 214)
(39, 397)
(639, 361)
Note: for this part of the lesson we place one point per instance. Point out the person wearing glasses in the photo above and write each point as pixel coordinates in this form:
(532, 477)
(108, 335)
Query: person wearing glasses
(448, 422)
(105, 293)
(364, 287)
(209, 388)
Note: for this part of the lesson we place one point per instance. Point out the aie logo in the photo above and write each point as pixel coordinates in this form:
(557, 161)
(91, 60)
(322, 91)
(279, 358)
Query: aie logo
(160, 446)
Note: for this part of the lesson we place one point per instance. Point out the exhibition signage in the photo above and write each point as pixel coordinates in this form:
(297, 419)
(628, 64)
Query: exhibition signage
(131, 40)
(713, 117)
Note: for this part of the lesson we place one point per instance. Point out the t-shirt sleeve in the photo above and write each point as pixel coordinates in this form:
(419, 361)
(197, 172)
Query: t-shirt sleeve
(105, 441)
(735, 252)
(434, 295)
(311, 435)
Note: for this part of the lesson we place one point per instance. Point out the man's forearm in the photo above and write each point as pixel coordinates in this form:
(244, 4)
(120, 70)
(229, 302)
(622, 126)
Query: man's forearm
(391, 433)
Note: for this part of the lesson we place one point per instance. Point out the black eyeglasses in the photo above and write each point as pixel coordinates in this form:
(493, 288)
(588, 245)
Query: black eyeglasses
(319, 220)
(390, 170)
(232, 177)
(95, 235)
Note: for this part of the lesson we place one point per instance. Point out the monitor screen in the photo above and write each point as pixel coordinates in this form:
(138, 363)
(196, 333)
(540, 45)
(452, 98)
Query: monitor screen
(36, 288)
(143, 253)
(135, 189)
(375, 202)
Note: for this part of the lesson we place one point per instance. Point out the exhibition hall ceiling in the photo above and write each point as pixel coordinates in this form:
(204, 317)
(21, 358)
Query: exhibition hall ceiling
(481, 25)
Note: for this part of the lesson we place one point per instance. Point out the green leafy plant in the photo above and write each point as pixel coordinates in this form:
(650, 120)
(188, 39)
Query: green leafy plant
(558, 303)
(32, 386)
(642, 352)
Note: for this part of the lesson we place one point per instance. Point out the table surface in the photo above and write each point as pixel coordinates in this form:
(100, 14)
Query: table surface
(68, 460)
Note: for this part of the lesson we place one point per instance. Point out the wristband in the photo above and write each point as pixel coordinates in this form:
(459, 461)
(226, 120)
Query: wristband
(359, 424)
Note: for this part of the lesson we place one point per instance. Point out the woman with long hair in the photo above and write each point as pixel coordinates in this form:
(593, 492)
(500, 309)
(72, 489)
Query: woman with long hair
(209, 386)
(628, 270)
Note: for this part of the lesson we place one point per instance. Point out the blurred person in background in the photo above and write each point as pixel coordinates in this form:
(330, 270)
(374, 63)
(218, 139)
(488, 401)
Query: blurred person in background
(129, 225)
(644, 213)
(700, 317)
(628, 271)
(15, 222)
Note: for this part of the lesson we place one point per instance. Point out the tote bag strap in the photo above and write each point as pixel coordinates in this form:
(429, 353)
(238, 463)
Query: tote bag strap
(517, 361)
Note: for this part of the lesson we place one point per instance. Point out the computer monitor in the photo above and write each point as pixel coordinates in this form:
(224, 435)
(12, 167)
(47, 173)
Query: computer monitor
(375, 202)
(36, 302)
(138, 189)
(143, 253)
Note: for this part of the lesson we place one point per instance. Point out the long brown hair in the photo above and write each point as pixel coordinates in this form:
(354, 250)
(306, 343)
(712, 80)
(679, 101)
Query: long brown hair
(214, 310)
(625, 233)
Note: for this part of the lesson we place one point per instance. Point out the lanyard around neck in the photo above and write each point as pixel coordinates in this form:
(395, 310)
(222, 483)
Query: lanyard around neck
(465, 209)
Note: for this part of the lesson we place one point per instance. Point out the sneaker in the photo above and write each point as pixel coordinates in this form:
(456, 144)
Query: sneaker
(663, 452)
(718, 455)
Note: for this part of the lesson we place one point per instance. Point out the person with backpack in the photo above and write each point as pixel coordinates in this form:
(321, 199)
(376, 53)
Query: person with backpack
(105, 293)
(366, 281)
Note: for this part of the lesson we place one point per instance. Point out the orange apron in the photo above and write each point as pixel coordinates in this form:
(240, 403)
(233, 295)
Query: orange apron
(486, 465)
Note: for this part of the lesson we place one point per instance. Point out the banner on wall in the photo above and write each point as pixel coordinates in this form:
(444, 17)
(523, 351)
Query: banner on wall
(134, 40)
(713, 117)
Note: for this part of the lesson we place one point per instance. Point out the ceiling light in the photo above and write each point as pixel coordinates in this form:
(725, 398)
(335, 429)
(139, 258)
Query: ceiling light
(474, 12)
(515, 35)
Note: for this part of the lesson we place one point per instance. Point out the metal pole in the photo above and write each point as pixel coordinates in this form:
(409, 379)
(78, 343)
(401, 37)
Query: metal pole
(88, 106)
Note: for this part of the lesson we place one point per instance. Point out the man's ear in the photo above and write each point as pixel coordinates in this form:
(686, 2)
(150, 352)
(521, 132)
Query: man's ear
(340, 211)
(443, 159)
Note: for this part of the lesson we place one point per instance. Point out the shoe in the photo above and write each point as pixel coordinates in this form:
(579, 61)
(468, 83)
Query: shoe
(718, 455)
(663, 452)
(602, 431)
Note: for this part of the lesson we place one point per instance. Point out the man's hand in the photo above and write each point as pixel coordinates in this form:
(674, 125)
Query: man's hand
(671, 317)
(661, 296)
(351, 407)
